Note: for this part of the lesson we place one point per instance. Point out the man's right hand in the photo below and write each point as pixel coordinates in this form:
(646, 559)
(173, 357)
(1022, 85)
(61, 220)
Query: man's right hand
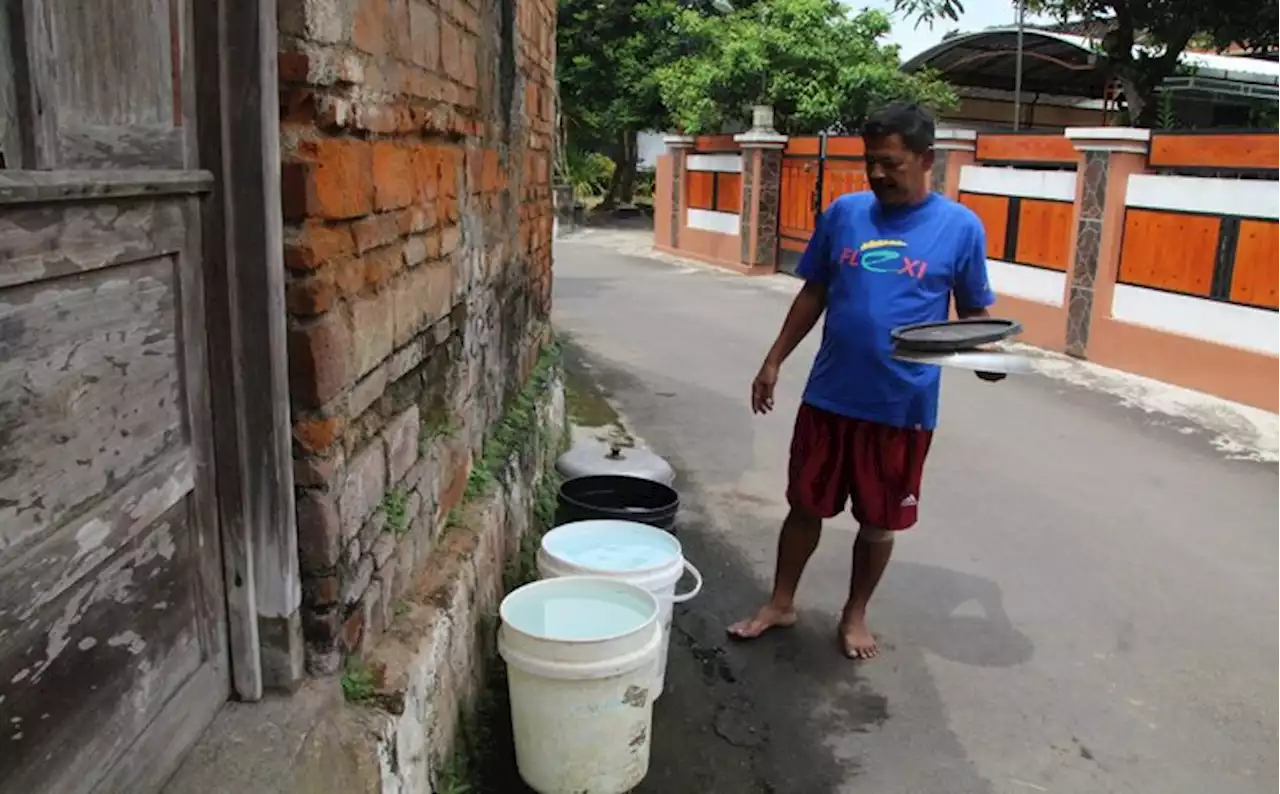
(762, 388)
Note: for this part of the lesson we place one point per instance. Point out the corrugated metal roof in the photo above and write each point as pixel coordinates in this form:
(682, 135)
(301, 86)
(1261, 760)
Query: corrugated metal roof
(1062, 62)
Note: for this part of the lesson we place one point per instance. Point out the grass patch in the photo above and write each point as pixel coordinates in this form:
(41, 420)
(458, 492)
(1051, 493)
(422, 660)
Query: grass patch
(395, 505)
(432, 430)
(520, 420)
(357, 682)
(454, 780)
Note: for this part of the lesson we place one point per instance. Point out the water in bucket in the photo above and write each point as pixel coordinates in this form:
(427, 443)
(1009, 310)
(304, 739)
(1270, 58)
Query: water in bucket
(578, 615)
(612, 546)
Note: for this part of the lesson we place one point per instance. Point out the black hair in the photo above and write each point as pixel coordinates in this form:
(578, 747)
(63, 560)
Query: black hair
(911, 121)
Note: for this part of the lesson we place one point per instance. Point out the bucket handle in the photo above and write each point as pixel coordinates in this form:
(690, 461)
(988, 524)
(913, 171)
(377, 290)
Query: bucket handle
(680, 598)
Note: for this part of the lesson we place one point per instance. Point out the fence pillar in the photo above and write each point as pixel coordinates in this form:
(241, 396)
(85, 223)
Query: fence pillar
(952, 150)
(678, 146)
(1108, 156)
(761, 190)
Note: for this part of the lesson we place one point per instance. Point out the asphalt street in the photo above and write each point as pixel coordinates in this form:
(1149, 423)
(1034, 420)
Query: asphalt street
(1087, 605)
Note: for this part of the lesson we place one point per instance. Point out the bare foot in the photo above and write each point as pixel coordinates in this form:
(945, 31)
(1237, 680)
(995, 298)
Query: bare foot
(769, 617)
(856, 638)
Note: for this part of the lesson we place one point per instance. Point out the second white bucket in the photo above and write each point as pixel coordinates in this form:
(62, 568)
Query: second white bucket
(628, 551)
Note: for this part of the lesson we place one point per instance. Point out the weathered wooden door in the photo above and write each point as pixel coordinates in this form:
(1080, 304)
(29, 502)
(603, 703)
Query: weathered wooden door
(112, 649)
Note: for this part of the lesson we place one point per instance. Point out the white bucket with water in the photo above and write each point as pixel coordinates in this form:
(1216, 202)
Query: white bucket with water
(628, 551)
(580, 653)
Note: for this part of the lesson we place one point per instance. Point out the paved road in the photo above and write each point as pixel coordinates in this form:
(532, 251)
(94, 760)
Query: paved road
(1088, 605)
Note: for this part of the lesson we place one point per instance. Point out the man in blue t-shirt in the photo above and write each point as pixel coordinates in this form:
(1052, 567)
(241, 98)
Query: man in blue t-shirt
(877, 260)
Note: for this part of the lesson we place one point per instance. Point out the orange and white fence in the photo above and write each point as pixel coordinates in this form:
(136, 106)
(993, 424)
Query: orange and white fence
(1156, 253)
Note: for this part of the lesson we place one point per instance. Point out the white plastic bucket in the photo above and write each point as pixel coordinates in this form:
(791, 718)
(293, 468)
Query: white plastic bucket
(627, 551)
(580, 653)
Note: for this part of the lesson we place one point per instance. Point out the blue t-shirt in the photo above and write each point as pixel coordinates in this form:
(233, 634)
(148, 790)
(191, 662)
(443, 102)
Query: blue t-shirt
(885, 268)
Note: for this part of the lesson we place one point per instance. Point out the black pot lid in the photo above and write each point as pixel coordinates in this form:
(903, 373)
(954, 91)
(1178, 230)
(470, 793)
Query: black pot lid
(954, 335)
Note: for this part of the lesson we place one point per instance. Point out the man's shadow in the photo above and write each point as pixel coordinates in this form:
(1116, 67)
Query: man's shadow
(958, 616)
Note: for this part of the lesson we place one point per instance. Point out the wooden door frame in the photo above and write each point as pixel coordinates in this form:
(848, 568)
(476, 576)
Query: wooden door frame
(49, 176)
(238, 131)
(229, 88)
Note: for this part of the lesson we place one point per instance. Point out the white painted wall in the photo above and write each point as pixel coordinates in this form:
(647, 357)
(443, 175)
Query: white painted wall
(649, 147)
(1021, 182)
(1249, 198)
(723, 163)
(1213, 321)
(1029, 283)
(711, 221)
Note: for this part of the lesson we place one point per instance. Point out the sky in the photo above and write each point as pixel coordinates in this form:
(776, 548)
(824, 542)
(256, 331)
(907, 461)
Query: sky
(978, 14)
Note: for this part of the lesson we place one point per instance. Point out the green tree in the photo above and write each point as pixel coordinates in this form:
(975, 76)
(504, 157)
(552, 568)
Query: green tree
(607, 54)
(1164, 28)
(820, 66)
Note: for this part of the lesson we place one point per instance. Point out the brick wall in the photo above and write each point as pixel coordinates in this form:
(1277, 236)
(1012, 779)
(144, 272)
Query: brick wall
(416, 141)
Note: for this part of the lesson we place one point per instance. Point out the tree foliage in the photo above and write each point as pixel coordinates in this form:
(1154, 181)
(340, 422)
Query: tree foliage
(1147, 37)
(607, 54)
(631, 65)
(820, 66)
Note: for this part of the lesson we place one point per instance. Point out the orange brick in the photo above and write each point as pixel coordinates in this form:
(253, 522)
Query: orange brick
(311, 296)
(393, 183)
(530, 97)
(447, 209)
(339, 178)
(297, 106)
(382, 264)
(424, 28)
(317, 435)
(316, 245)
(451, 49)
(450, 162)
(468, 99)
(417, 219)
(399, 29)
(371, 26)
(467, 56)
(349, 276)
(375, 231)
(293, 67)
(426, 172)
(319, 360)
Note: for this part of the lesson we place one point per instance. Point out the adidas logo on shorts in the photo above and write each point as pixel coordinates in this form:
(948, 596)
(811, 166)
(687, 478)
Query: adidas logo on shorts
(909, 501)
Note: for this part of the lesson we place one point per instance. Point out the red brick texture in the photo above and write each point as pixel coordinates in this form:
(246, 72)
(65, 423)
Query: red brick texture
(415, 185)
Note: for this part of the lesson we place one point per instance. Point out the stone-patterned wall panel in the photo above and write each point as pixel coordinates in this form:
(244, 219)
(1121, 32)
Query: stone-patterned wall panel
(938, 176)
(770, 191)
(1084, 269)
(749, 159)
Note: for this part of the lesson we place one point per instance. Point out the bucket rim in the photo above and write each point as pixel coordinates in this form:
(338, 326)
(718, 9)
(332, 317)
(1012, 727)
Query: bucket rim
(677, 559)
(649, 598)
(576, 482)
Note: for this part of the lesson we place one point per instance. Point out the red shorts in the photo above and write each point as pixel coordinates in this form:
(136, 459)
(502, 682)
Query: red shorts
(835, 459)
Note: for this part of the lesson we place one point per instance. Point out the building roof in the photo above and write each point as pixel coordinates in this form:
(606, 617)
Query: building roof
(1061, 63)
